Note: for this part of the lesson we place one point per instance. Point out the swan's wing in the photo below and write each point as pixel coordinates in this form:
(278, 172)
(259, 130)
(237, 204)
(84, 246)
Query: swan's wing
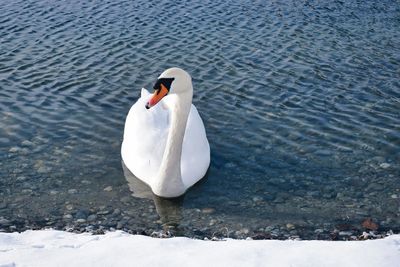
(145, 136)
(195, 151)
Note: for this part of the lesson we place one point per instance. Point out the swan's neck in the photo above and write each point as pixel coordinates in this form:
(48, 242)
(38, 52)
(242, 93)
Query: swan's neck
(169, 179)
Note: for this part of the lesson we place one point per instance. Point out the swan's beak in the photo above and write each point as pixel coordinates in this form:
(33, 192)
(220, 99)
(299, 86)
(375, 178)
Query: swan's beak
(157, 96)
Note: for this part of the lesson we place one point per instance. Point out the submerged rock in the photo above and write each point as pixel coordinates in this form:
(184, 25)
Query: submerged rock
(345, 233)
(384, 165)
(91, 218)
(370, 225)
(108, 189)
(27, 143)
(67, 217)
(14, 149)
(290, 226)
(4, 222)
(72, 191)
(208, 210)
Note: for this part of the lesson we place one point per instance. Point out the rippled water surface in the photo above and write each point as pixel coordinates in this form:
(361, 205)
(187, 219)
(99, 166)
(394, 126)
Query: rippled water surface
(300, 99)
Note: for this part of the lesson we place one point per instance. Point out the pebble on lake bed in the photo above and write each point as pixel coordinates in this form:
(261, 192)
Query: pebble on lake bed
(208, 210)
(14, 149)
(67, 216)
(370, 225)
(384, 165)
(345, 233)
(257, 199)
(290, 226)
(27, 143)
(318, 231)
(108, 189)
(72, 191)
(92, 218)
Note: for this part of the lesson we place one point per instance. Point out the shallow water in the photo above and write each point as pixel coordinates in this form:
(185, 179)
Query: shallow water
(301, 103)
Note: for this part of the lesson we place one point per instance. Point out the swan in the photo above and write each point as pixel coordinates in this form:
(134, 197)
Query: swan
(165, 143)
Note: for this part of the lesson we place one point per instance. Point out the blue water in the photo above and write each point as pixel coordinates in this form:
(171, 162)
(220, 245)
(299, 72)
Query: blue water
(300, 99)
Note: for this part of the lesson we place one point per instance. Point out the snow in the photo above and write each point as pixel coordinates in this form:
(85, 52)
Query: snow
(57, 248)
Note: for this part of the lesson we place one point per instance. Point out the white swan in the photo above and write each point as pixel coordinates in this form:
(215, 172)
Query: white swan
(165, 145)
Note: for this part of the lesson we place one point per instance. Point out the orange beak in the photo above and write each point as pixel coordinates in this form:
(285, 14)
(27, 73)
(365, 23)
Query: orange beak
(157, 96)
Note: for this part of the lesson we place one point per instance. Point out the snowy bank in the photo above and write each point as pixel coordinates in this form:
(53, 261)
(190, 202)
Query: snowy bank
(57, 248)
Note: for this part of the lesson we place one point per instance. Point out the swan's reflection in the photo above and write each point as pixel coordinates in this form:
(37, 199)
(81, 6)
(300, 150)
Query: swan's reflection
(169, 210)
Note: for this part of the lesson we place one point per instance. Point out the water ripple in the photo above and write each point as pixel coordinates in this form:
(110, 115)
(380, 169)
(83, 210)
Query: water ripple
(308, 93)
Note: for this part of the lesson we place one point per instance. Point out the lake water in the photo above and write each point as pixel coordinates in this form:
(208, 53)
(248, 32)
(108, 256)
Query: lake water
(300, 99)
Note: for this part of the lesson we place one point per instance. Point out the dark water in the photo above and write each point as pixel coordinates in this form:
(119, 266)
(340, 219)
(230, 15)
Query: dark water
(301, 102)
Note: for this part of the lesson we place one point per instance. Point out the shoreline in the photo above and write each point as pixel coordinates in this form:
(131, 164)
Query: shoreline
(335, 235)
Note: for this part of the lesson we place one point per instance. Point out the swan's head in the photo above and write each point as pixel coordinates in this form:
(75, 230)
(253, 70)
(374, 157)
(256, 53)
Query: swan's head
(171, 81)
